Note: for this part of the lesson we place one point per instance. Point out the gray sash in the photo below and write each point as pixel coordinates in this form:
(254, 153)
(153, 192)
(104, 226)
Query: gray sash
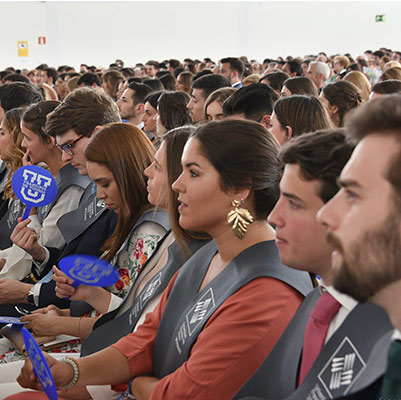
(109, 328)
(159, 216)
(67, 176)
(9, 221)
(336, 370)
(187, 311)
(344, 357)
(3, 176)
(74, 223)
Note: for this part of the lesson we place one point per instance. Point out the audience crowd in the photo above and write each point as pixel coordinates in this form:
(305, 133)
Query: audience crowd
(252, 210)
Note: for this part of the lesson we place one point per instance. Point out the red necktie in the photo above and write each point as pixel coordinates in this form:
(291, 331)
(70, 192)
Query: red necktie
(316, 330)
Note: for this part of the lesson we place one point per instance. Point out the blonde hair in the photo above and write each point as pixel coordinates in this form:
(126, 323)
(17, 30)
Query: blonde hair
(360, 80)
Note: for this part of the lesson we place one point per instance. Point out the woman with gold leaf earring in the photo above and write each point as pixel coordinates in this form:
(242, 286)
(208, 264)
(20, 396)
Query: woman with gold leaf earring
(222, 313)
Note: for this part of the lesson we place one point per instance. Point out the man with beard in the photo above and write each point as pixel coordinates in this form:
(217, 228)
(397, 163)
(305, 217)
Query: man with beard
(325, 348)
(364, 225)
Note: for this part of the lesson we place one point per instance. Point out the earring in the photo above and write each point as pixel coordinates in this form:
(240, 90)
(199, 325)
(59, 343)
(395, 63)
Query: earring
(239, 218)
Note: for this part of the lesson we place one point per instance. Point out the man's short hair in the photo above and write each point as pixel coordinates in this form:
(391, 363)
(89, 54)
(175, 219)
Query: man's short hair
(18, 94)
(89, 79)
(141, 91)
(174, 63)
(254, 101)
(235, 64)
(154, 63)
(209, 83)
(321, 156)
(380, 116)
(16, 78)
(321, 68)
(82, 110)
(275, 79)
(52, 73)
(295, 66)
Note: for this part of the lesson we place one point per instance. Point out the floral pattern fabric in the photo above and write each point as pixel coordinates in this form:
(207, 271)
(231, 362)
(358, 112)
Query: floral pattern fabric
(131, 259)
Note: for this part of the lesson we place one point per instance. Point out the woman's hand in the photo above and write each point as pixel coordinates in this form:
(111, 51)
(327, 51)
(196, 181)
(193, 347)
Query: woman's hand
(43, 324)
(65, 289)
(27, 239)
(61, 371)
(26, 158)
(51, 310)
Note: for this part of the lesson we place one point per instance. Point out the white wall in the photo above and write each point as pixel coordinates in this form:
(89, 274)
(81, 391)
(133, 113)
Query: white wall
(99, 32)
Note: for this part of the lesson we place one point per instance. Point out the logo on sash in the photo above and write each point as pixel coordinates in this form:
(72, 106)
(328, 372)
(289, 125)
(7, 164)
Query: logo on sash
(200, 310)
(93, 209)
(151, 287)
(34, 186)
(15, 212)
(342, 369)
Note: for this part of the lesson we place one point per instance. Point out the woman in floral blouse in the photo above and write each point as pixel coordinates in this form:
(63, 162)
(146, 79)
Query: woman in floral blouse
(116, 159)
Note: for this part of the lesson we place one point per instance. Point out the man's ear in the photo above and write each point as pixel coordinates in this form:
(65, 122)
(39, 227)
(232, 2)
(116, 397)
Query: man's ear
(265, 121)
(51, 141)
(140, 108)
(96, 130)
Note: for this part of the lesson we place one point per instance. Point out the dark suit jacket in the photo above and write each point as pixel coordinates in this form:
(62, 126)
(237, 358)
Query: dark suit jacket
(89, 242)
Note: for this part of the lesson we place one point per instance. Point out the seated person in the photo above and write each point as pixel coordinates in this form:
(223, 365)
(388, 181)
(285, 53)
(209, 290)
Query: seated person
(42, 220)
(246, 295)
(11, 153)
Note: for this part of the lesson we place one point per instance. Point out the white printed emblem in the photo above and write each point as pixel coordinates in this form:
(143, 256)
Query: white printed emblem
(38, 365)
(34, 186)
(198, 312)
(88, 273)
(152, 287)
(342, 369)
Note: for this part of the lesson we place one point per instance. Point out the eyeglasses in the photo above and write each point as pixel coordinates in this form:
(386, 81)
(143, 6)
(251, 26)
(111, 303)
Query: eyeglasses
(68, 147)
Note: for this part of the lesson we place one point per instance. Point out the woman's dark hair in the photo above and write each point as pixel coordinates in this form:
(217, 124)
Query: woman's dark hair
(245, 156)
(302, 113)
(301, 85)
(155, 84)
(125, 151)
(387, 87)
(172, 109)
(344, 95)
(35, 117)
(168, 81)
(174, 141)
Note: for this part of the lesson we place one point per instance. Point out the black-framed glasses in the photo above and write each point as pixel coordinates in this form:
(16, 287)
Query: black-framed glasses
(68, 147)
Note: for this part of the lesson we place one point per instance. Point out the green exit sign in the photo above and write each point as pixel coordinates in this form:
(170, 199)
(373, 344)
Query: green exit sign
(380, 18)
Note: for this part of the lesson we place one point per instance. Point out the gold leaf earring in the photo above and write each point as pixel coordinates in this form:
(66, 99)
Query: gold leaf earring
(239, 218)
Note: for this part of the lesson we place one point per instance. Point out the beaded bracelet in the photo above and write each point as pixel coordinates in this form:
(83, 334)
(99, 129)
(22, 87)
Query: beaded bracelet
(75, 366)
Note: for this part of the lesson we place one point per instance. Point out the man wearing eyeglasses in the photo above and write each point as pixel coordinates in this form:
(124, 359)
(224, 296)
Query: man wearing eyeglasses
(81, 115)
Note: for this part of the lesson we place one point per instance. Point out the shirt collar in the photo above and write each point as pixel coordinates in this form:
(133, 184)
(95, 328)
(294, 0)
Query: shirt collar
(346, 301)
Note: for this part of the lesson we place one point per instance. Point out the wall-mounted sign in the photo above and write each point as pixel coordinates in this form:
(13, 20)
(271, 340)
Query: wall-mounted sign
(22, 48)
(381, 18)
(42, 40)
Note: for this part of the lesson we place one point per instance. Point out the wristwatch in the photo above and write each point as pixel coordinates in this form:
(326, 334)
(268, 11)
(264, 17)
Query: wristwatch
(30, 298)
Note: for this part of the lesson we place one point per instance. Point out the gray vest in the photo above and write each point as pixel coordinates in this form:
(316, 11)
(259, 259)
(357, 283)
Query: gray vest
(338, 367)
(9, 221)
(112, 326)
(90, 208)
(67, 176)
(187, 311)
(79, 308)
